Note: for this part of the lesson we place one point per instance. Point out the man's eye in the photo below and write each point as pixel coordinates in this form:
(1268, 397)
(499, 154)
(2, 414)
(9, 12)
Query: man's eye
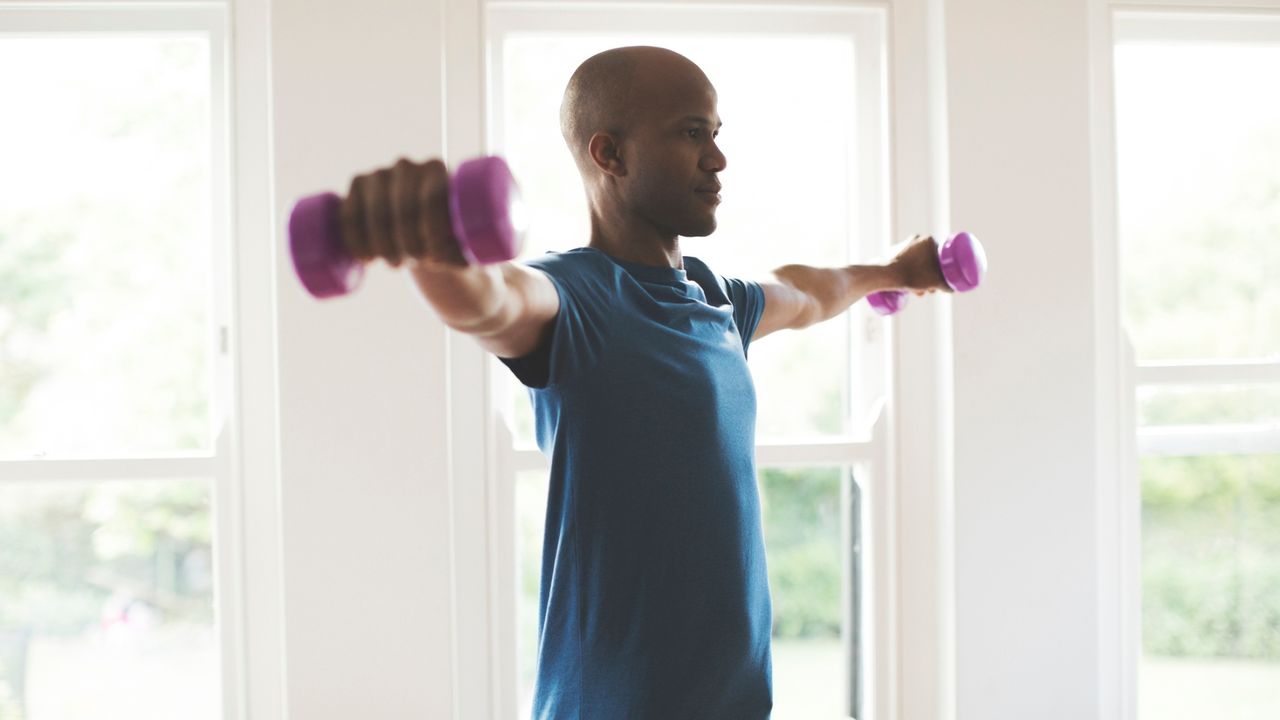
(694, 132)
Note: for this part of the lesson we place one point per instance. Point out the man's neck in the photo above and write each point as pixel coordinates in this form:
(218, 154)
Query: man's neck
(644, 246)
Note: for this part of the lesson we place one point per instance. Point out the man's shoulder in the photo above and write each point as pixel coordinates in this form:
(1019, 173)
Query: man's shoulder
(582, 264)
(583, 275)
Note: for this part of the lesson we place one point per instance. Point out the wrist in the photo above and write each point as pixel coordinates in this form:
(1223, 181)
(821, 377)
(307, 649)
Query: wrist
(867, 279)
(892, 276)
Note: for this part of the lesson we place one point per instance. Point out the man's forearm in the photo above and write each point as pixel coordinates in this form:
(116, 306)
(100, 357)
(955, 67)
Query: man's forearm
(833, 290)
(467, 298)
(506, 307)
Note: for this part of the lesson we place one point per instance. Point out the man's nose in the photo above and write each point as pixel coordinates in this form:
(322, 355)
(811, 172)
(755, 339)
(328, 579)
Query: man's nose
(714, 160)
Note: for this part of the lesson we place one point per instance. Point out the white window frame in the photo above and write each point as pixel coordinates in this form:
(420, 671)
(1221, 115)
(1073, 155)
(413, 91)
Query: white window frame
(245, 517)
(1121, 442)
(908, 552)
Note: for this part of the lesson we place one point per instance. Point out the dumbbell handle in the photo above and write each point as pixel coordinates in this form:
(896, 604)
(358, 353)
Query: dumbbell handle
(485, 214)
(963, 262)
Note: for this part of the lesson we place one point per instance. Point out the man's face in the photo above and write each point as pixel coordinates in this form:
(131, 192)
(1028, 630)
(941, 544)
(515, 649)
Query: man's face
(674, 160)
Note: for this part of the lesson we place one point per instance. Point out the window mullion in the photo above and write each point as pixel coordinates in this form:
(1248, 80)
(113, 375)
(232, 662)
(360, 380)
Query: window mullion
(1211, 373)
(824, 452)
(162, 468)
(1190, 440)
(827, 452)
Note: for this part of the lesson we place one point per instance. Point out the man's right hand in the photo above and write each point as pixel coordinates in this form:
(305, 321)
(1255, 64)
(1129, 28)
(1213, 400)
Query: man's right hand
(401, 213)
(402, 216)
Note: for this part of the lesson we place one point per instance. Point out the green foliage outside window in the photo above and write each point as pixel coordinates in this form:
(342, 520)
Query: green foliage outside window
(802, 536)
(1211, 549)
(67, 549)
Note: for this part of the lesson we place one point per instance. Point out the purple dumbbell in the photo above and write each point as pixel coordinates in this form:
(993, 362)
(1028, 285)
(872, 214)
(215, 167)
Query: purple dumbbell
(485, 212)
(963, 261)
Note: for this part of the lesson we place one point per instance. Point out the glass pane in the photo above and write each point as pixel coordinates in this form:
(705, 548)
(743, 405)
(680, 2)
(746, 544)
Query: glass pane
(802, 524)
(531, 510)
(1198, 137)
(1209, 405)
(106, 602)
(105, 246)
(759, 82)
(519, 412)
(1210, 588)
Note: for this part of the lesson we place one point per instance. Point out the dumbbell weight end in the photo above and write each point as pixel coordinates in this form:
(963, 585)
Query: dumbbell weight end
(323, 264)
(486, 211)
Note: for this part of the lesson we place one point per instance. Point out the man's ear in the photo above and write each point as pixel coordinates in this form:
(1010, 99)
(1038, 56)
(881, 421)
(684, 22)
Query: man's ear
(606, 154)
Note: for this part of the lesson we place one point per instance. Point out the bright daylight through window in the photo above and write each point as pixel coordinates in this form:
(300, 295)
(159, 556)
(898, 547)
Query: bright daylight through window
(1198, 149)
(106, 585)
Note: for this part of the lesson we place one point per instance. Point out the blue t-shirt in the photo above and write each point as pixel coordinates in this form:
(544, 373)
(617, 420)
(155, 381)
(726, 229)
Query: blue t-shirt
(654, 601)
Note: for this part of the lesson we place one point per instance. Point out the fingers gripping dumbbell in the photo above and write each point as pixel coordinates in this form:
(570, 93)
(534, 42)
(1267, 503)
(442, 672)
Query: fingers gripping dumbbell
(964, 264)
(398, 213)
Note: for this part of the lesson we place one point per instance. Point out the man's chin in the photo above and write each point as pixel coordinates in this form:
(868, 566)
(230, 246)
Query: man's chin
(702, 228)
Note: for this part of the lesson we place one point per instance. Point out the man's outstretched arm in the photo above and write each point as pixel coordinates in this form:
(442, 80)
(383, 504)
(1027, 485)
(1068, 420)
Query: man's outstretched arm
(404, 217)
(800, 295)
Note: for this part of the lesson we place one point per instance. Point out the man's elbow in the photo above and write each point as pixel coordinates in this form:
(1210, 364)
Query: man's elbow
(809, 312)
(491, 324)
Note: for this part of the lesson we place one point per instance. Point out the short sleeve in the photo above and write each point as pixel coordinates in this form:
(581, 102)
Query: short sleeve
(747, 299)
(578, 335)
(745, 296)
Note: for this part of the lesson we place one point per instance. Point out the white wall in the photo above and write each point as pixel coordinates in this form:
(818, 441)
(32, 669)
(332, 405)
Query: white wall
(363, 379)
(356, 85)
(1018, 81)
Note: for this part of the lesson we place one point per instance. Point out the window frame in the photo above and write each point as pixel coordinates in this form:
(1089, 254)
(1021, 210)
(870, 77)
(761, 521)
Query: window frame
(912, 557)
(1121, 441)
(244, 517)
(1222, 25)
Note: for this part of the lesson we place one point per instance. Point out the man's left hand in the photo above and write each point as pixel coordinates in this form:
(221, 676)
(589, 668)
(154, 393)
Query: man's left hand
(916, 265)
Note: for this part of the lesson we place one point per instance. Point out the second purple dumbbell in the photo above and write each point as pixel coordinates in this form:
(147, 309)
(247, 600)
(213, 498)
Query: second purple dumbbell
(485, 213)
(964, 264)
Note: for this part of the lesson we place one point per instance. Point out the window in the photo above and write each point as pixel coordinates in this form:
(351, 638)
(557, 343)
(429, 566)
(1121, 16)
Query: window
(818, 390)
(115, 376)
(1198, 137)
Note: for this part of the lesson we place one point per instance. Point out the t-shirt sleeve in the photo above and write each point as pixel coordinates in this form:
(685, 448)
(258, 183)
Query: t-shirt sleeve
(580, 330)
(747, 299)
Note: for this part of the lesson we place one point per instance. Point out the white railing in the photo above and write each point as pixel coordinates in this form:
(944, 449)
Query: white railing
(1226, 372)
(160, 468)
(840, 450)
(1187, 440)
(1206, 439)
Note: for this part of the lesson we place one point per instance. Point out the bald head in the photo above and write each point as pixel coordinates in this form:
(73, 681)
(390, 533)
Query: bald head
(612, 91)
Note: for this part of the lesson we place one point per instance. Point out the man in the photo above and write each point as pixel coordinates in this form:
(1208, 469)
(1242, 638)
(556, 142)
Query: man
(654, 599)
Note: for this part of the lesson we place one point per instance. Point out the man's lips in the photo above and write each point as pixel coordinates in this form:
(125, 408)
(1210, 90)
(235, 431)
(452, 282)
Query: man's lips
(710, 193)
